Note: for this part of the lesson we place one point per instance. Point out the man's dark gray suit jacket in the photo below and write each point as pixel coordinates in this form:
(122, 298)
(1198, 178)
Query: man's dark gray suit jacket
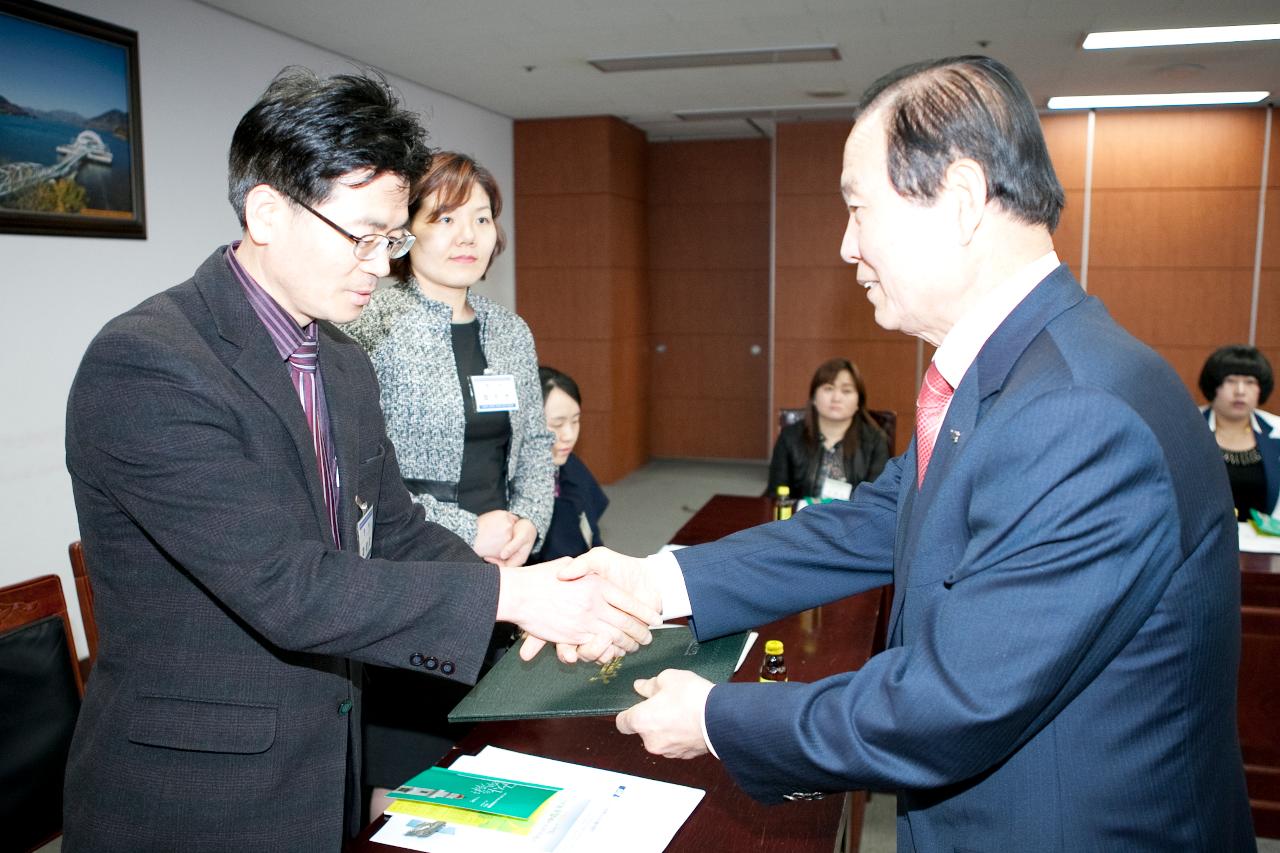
(1065, 632)
(224, 703)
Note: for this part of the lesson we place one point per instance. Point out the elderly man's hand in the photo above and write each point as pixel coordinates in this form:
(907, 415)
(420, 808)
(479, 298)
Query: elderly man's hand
(588, 611)
(629, 573)
(669, 721)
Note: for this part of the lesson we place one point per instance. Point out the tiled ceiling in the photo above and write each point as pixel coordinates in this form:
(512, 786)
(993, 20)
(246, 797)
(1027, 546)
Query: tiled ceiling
(529, 58)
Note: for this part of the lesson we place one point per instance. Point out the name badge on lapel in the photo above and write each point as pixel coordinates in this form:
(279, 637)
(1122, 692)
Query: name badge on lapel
(364, 528)
(495, 392)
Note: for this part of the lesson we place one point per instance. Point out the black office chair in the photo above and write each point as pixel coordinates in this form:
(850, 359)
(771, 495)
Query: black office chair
(40, 690)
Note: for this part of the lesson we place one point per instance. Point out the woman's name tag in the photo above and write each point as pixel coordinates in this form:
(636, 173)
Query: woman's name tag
(495, 392)
(836, 490)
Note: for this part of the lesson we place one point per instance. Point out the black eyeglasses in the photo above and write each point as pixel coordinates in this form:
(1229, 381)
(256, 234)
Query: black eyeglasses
(370, 246)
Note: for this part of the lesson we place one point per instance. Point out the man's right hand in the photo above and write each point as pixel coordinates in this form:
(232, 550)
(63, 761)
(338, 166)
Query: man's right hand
(587, 612)
(629, 574)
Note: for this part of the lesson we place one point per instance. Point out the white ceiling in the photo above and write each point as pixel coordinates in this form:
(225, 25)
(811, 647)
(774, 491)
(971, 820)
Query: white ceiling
(528, 58)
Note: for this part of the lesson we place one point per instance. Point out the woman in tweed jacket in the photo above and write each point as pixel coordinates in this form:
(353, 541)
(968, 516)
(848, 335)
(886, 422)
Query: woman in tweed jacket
(410, 330)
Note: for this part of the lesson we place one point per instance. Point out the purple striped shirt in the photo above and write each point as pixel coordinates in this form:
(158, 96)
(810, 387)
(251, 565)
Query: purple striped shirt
(288, 338)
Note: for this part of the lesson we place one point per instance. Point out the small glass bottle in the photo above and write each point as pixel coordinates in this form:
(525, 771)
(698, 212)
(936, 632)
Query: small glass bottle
(783, 504)
(773, 667)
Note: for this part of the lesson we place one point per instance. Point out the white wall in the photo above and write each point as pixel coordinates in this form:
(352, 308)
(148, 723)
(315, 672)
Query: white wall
(200, 70)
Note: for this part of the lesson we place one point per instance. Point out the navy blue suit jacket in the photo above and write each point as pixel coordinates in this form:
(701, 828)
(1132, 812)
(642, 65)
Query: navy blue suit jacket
(1065, 631)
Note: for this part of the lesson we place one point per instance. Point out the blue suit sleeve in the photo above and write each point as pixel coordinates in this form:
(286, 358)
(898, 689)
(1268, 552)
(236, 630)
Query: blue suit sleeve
(1070, 538)
(840, 549)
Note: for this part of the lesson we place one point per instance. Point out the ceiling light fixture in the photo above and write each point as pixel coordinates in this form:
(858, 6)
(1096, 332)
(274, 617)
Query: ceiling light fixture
(718, 58)
(1184, 35)
(785, 113)
(1179, 99)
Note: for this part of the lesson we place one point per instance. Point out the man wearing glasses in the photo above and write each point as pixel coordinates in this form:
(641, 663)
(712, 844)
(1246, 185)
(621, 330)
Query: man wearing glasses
(249, 539)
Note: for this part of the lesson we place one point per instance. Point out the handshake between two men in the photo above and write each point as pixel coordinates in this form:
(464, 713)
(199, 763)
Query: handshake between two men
(613, 599)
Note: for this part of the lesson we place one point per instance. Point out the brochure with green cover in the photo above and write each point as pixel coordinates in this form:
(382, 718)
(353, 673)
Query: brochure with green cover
(545, 687)
(488, 794)
(1267, 525)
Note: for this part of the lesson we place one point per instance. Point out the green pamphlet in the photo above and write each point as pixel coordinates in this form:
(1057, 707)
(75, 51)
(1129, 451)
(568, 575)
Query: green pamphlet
(488, 794)
(545, 687)
(1267, 525)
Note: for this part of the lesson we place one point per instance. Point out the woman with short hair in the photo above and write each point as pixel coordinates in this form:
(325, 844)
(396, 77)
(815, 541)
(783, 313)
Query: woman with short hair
(1236, 380)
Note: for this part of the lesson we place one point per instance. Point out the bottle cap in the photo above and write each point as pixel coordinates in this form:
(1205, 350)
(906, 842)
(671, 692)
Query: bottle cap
(784, 490)
(773, 647)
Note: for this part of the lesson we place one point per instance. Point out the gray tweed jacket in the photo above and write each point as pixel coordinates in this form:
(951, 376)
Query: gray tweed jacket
(407, 338)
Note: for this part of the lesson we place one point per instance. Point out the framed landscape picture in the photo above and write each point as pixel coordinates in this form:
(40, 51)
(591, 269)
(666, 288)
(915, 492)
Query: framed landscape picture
(70, 125)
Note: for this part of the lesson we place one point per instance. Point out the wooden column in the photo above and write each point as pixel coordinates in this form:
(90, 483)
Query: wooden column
(580, 274)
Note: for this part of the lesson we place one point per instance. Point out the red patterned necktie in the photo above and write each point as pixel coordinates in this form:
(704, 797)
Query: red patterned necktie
(931, 405)
(303, 362)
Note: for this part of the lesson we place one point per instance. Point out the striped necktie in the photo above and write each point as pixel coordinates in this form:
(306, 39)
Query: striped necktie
(931, 405)
(302, 370)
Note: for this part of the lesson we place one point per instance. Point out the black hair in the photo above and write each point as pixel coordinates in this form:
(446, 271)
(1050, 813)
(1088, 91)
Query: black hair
(552, 379)
(306, 131)
(826, 373)
(973, 107)
(1236, 360)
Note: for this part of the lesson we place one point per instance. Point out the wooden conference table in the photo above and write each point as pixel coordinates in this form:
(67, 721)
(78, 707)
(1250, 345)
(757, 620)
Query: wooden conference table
(821, 642)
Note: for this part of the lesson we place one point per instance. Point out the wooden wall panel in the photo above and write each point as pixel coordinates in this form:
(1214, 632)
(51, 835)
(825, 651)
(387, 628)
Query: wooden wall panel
(581, 273)
(1269, 313)
(1185, 306)
(1066, 135)
(1207, 228)
(739, 298)
(1204, 148)
(708, 208)
(811, 156)
(1271, 225)
(562, 156)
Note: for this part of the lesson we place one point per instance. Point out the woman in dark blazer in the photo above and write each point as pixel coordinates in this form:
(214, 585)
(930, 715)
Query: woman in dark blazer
(1236, 380)
(579, 500)
(837, 445)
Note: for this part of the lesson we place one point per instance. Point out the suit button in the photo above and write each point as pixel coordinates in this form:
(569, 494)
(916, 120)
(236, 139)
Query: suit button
(447, 667)
(345, 707)
(416, 659)
(432, 663)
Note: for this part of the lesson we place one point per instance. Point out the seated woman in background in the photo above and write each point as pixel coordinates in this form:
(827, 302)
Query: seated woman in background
(837, 445)
(1236, 380)
(575, 520)
(481, 469)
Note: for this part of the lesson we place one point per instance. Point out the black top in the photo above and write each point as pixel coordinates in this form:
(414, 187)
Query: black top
(482, 485)
(1248, 481)
(578, 495)
(794, 466)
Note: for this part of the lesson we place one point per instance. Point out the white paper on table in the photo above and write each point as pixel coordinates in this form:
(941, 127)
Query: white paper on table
(1253, 542)
(605, 811)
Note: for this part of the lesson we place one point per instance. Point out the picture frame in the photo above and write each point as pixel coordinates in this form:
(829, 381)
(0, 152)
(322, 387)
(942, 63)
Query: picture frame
(70, 125)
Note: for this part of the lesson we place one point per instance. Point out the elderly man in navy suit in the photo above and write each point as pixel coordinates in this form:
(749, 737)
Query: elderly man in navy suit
(1061, 666)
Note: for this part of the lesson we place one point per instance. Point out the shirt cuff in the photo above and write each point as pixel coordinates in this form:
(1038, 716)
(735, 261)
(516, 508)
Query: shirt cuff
(666, 573)
(706, 737)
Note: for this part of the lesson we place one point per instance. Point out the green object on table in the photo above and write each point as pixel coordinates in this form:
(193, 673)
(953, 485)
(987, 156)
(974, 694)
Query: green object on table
(1267, 525)
(544, 687)
(488, 794)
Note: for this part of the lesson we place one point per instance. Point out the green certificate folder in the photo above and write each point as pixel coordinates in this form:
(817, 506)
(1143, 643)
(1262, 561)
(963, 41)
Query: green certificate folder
(545, 687)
